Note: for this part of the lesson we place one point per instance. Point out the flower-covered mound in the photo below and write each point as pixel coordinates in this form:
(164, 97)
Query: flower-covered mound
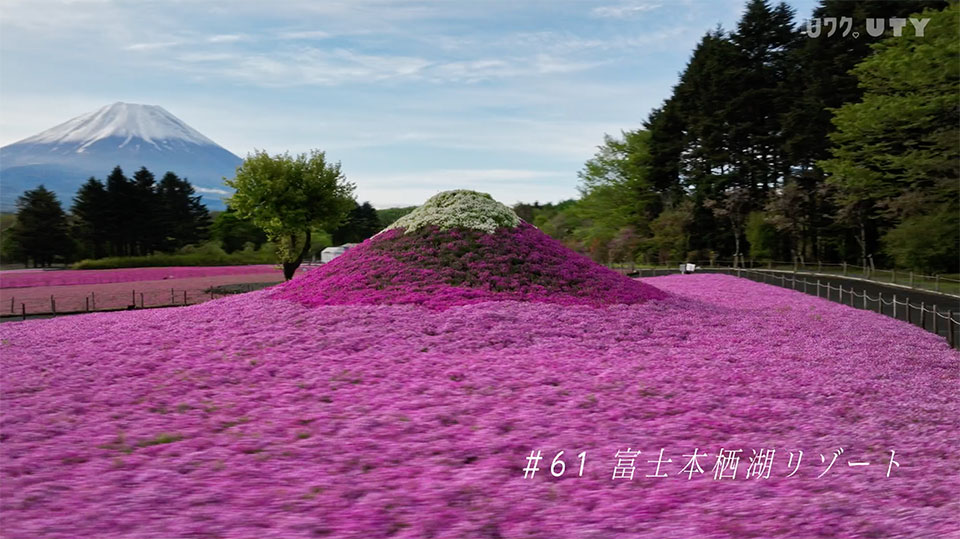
(251, 417)
(441, 268)
(462, 209)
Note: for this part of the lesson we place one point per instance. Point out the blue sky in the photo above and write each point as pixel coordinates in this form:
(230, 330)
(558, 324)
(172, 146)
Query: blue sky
(413, 97)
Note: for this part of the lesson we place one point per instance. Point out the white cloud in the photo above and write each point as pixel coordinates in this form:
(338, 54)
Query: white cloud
(152, 46)
(227, 38)
(211, 191)
(310, 66)
(206, 57)
(624, 10)
(506, 185)
(304, 34)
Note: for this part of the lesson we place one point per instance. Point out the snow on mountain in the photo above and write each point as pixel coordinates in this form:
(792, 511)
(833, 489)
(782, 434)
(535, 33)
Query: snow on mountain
(125, 134)
(150, 123)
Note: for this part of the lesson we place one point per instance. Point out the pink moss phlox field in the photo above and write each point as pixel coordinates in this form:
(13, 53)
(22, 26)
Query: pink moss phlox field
(439, 269)
(46, 278)
(254, 417)
(118, 295)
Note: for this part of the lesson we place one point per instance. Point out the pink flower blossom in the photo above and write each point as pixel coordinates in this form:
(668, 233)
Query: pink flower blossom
(439, 269)
(254, 416)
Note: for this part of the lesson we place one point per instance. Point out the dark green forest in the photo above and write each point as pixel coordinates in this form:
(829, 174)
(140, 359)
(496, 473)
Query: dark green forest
(778, 146)
(141, 222)
(119, 217)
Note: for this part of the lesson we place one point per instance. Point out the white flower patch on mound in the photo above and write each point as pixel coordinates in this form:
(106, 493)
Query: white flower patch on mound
(459, 208)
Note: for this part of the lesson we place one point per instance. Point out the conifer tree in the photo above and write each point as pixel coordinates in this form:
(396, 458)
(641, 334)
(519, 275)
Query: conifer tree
(41, 234)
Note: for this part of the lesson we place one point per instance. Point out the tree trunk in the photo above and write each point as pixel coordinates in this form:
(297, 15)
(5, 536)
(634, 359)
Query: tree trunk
(736, 243)
(862, 240)
(290, 267)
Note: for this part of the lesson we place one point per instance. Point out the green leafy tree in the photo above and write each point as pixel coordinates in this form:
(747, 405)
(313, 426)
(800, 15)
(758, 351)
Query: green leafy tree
(923, 241)
(670, 240)
(361, 223)
(41, 233)
(389, 215)
(287, 196)
(788, 211)
(761, 235)
(617, 200)
(896, 157)
(234, 232)
(732, 206)
(825, 82)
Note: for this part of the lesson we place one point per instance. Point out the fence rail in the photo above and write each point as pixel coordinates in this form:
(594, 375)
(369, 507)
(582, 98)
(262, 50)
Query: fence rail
(901, 278)
(945, 323)
(32, 306)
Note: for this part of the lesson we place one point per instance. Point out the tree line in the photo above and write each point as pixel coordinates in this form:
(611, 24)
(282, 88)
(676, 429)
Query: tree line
(124, 217)
(778, 146)
(118, 217)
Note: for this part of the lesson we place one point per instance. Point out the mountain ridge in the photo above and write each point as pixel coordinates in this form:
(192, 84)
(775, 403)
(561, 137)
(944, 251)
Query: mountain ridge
(125, 134)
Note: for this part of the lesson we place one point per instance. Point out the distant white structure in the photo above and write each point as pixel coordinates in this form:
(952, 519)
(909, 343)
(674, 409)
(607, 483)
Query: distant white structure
(687, 268)
(332, 252)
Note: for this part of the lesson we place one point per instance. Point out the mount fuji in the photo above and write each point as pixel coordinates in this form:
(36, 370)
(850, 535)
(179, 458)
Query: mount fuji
(125, 134)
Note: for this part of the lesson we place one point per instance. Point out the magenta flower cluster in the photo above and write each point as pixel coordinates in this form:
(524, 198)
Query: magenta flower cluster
(253, 417)
(38, 278)
(439, 269)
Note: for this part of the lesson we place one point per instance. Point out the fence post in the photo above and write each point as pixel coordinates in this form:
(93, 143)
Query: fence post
(141, 300)
(184, 297)
(844, 268)
(864, 300)
(133, 297)
(895, 308)
(950, 337)
(88, 303)
(923, 313)
(172, 299)
(818, 288)
(879, 302)
(936, 323)
(93, 300)
(11, 306)
(53, 306)
(840, 294)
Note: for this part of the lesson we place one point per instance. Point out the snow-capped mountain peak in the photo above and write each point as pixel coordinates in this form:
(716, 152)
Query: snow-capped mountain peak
(125, 134)
(123, 121)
